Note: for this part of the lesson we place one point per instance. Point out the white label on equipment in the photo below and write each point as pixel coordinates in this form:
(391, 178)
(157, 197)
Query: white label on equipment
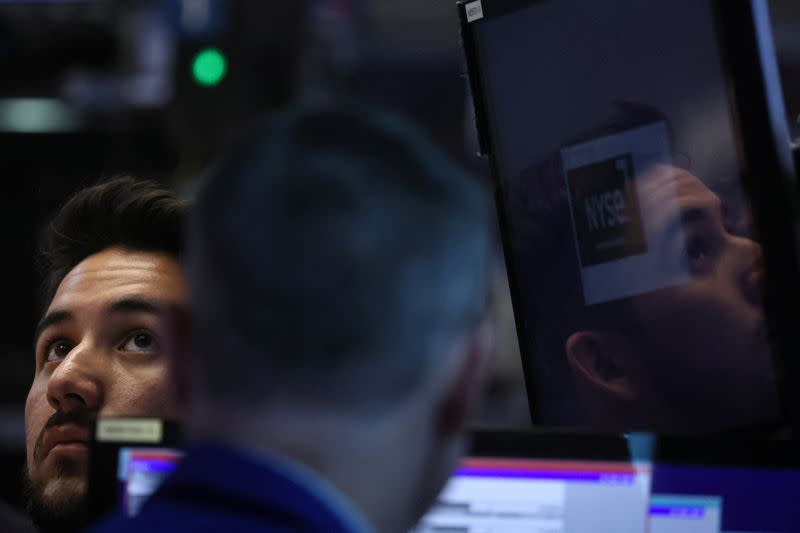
(474, 11)
(621, 213)
(131, 430)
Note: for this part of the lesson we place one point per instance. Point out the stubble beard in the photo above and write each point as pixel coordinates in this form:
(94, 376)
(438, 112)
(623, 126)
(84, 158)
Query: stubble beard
(59, 503)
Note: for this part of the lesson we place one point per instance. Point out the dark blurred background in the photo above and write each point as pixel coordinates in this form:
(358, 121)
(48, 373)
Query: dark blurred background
(92, 88)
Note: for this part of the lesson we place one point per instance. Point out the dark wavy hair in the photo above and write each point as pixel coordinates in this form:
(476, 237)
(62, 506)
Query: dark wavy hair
(121, 211)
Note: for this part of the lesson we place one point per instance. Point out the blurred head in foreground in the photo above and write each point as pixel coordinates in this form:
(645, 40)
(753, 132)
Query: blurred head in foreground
(340, 266)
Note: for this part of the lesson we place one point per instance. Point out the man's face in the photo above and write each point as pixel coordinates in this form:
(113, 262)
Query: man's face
(704, 340)
(98, 353)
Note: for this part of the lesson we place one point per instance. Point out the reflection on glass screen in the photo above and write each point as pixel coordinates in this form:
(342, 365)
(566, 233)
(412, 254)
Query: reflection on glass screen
(639, 275)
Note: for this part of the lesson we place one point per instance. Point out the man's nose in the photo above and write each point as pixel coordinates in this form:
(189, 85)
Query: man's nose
(753, 271)
(76, 381)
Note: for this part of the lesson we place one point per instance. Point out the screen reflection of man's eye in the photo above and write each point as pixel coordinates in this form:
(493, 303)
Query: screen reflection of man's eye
(737, 228)
(141, 341)
(58, 350)
(699, 252)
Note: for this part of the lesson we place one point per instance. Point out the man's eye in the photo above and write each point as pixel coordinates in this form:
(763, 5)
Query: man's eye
(58, 350)
(699, 252)
(141, 341)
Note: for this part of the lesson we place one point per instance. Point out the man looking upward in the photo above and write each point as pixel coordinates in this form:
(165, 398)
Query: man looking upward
(111, 263)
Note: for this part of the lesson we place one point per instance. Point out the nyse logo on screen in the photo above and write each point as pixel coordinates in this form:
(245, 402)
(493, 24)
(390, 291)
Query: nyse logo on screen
(474, 11)
(605, 209)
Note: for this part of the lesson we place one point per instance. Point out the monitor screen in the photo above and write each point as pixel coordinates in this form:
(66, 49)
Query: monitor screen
(506, 495)
(670, 513)
(636, 274)
(542, 496)
(140, 472)
(730, 499)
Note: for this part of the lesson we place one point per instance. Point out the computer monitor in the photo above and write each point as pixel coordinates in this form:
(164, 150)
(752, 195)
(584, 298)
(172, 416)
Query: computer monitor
(645, 188)
(544, 483)
(725, 486)
(678, 513)
(140, 472)
(128, 460)
(573, 482)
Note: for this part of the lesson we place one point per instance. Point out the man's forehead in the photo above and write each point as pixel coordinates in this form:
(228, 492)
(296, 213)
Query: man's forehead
(688, 183)
(116, 273)
(662, 181)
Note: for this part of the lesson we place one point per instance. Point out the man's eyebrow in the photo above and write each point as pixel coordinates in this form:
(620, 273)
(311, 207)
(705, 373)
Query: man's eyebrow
(51, 319)
(687, 217)
(695, 214)
(136, 305)
(126, 305)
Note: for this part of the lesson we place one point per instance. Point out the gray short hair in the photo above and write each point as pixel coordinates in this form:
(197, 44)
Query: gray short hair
(330, 255)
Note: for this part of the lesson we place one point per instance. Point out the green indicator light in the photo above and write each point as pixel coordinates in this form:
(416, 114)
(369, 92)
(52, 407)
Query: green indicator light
(209, 67)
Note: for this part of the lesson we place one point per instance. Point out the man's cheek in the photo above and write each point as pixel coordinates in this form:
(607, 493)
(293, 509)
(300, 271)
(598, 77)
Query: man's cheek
(36, 416)
(152, 394)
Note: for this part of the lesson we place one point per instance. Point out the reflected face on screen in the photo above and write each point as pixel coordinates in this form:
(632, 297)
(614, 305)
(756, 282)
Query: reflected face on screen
(697, 358)
(708, 335)
(98, 353)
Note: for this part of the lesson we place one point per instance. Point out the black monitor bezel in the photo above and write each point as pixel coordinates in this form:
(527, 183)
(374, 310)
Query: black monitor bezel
(579, 445)
(555, 444)
(769, 178)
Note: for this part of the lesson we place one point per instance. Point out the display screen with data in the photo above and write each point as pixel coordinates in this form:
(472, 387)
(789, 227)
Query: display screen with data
(636, 273)
(541, 496)
(567, 496)
(730, 499)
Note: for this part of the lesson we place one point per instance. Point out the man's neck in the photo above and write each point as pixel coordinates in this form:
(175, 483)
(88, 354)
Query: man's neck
(370, 462)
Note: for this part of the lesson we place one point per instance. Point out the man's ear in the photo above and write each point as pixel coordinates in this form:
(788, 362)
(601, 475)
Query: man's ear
(465, 388)
(603, 361)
